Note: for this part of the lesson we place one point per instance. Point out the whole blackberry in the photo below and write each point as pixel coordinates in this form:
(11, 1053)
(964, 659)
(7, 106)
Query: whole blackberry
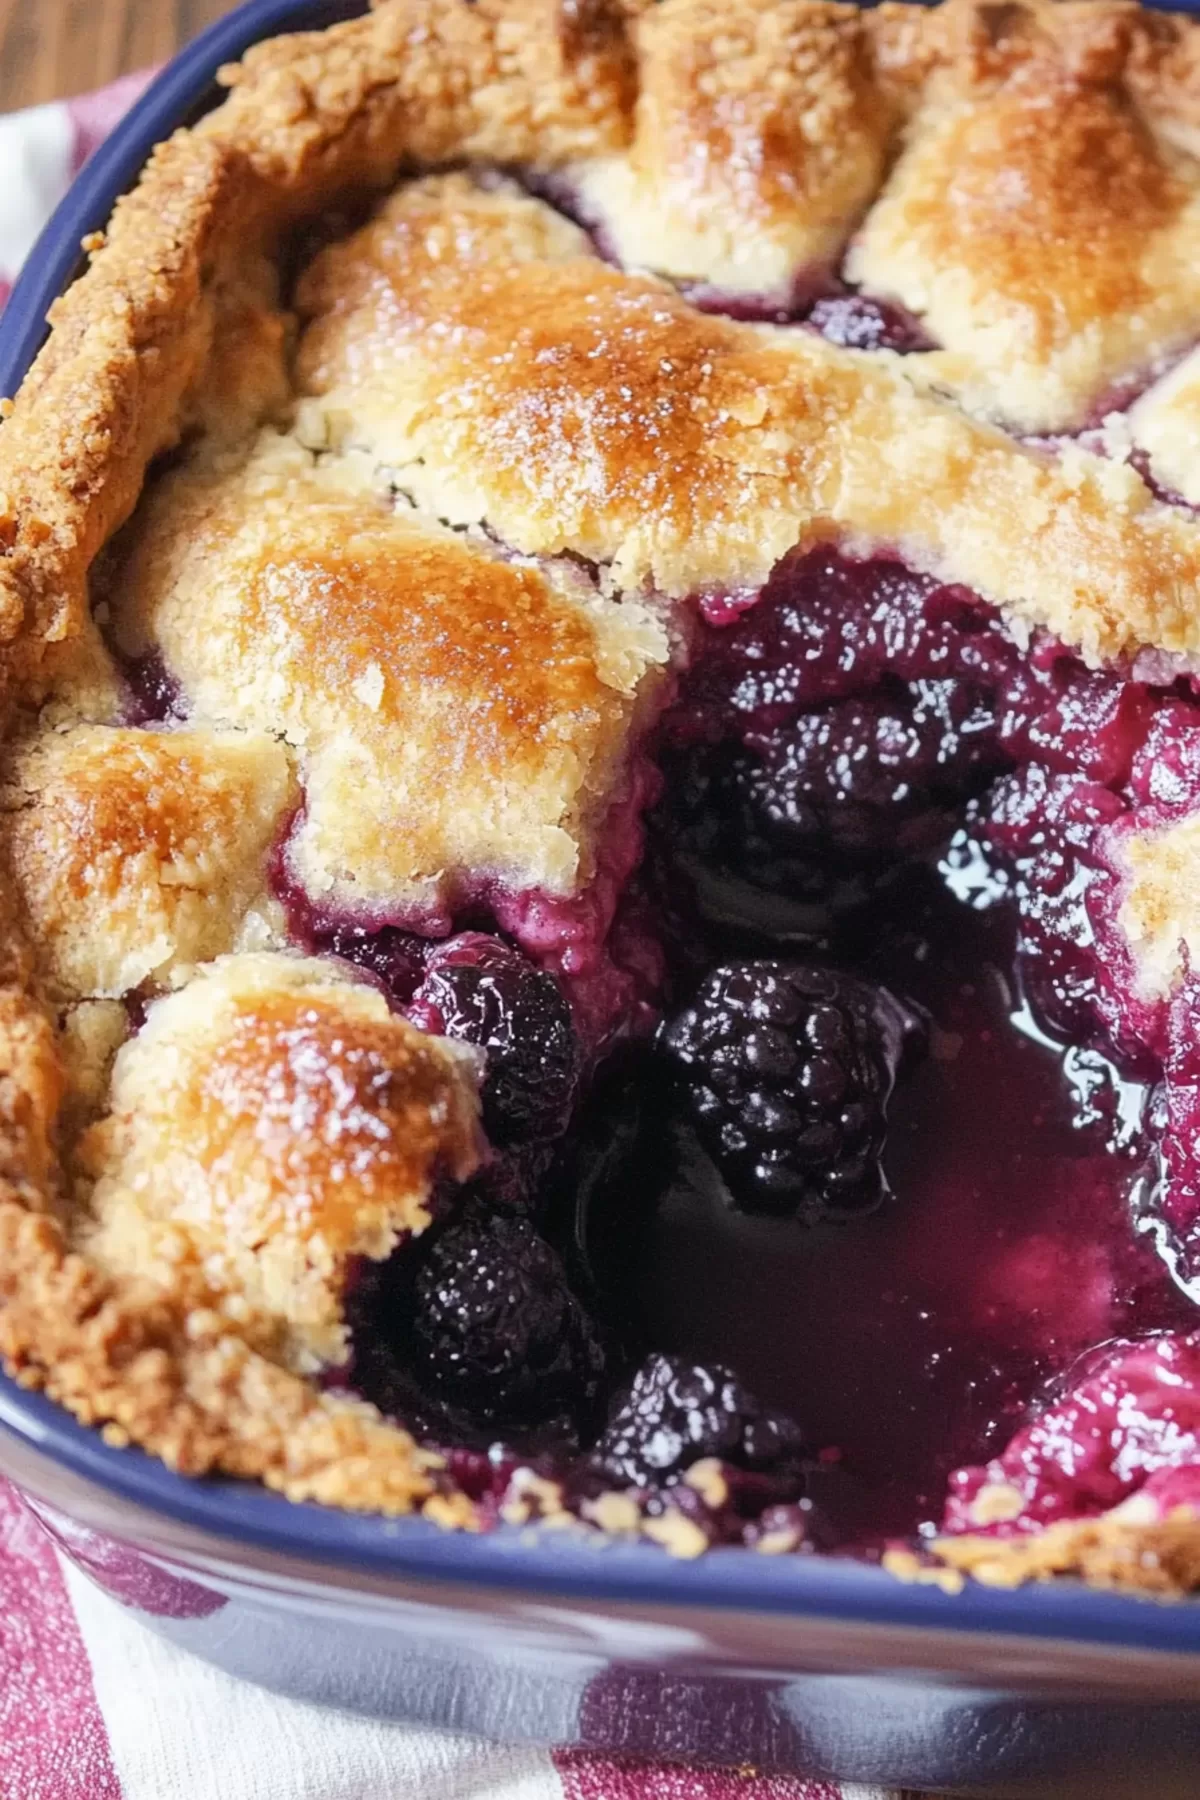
(786, 1070)
(478, 989)
(494, 1329)
(874, 779)
(714, 851)
(394, 957)
(675, 1413)
(823, 810)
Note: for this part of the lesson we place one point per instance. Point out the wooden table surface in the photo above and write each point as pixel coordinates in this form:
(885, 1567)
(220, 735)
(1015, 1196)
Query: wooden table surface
(51, 48)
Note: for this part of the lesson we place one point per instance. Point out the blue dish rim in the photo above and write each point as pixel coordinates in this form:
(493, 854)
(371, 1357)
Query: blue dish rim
(553, 1565)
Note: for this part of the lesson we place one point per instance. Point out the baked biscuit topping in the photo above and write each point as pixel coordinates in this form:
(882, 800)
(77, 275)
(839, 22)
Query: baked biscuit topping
(269, 1122)
(1159, 907)
(577, 409)
(759, 141)
(459, 718)
(1165, 426)
(138, 854)
(1046, 238)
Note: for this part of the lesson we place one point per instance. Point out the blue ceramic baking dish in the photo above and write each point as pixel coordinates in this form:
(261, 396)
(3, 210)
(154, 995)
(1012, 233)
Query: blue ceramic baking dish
(826, 1667)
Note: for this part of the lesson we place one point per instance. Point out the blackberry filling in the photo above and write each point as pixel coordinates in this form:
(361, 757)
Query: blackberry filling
(817, 813)
(477, 1332)
(154, 693)
(856, 322)
(1124, 1428)
(675, 1413)
(1039, 828)
(396, 958)
(880, 1177)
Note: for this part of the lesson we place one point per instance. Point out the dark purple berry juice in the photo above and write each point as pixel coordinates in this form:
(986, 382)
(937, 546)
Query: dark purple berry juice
(875, 1186)
(911, 1340)
(828, 742)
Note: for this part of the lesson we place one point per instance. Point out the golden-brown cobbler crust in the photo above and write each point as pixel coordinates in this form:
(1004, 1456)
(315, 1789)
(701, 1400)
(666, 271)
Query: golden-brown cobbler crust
(1165, 425)
(577, 408)
(269, 1122)
(134, 1359)
(310, 118)
(760, 137)
(506, 81)
(458, 716)
(571, 408)
(137, 854)
(1048, 241)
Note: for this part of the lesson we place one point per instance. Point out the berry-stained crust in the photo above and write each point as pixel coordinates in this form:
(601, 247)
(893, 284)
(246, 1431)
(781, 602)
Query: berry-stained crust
(600, 812)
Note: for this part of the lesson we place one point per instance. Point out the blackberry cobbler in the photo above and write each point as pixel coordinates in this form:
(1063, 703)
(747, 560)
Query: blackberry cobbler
(601, 615)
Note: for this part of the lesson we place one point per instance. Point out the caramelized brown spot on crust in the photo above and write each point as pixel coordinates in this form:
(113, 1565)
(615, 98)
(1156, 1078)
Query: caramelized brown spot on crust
(607, 400)
(139, 853)
(759, 141)
(592, 402)
(270, 1121)
(1055, 187)
(1051, 188)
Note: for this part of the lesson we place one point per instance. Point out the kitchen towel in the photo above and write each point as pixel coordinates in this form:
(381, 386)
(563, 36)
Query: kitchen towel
(94, 1706)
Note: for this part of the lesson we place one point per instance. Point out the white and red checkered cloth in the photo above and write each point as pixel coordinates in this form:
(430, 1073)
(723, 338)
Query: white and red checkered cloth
(92, 1706)
(95, 1707)
(40, 153)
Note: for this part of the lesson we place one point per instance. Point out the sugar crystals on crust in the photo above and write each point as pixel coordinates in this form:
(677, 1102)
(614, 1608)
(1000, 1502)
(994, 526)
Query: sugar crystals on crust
(459, 716)
(138, 854)
(270, 1122)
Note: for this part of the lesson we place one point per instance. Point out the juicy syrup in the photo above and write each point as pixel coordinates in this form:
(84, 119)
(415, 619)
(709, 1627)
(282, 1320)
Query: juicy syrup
(912, 1341)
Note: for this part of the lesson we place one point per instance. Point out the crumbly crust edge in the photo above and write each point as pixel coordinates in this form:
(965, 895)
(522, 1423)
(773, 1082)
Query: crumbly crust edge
(1159, 1559)
(122, 1356)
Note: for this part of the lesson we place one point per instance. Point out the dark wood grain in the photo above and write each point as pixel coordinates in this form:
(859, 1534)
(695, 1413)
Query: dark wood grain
(50, 48)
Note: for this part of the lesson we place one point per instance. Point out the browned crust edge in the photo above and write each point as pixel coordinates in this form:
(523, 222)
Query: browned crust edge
(1158, 1558)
